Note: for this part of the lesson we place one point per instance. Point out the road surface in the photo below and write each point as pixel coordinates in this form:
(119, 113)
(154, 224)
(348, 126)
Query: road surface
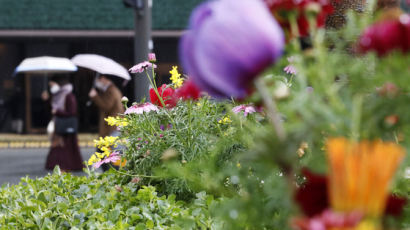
(17, 163)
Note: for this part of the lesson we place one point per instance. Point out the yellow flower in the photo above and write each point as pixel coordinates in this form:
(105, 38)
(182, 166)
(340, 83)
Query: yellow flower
(116, 121)
(176, 77)
(360, 174)
(93, 159)
(105, 149)
(99, 155)
(111, 121)
(110, 140)
(105, 145)
(225, 120)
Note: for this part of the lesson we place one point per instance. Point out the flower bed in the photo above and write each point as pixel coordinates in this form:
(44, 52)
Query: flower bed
(63, 201)
(287, 132)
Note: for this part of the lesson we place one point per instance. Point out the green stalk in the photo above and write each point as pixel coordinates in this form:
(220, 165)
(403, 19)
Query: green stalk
(189, 103)
(149, 122)
(127, 174)
(155, 89)
(294, 30)
(271, 109)
(356, 117)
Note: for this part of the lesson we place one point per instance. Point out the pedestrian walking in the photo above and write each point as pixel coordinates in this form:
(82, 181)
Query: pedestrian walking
(64, 149)
(107, 97)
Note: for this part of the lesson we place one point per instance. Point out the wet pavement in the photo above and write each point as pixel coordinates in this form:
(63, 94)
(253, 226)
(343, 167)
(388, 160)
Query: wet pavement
(17, 163)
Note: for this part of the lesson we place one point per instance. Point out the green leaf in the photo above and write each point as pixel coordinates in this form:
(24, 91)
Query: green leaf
(149, 224)
(57, 170)
(113, 215)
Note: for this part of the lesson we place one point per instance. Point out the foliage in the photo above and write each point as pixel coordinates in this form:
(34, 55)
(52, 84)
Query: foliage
(183, 134)
(64, 201)
(335, 93)
(251, 162)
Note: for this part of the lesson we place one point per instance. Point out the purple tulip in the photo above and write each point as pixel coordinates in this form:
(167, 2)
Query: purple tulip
(230, 42)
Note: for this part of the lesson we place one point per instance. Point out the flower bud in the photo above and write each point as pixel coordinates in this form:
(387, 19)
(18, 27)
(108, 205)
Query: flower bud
(124, 99)
(152, 58)
(118, 188)
(135, 180)
(313, 8)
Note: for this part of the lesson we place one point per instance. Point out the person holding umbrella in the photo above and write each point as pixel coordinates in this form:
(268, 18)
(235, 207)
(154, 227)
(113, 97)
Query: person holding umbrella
(64, 149)
(107, 97)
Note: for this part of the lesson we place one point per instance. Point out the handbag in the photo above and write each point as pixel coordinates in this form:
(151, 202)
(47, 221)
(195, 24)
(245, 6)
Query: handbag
(50, 127)
(65, 125)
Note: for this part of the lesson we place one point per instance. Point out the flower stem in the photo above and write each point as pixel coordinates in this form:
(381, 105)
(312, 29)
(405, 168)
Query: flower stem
(189, 103)
(154, 86)
(127, 174)
(294, 31)
(356, 117)
(271, 109)
(150, 124)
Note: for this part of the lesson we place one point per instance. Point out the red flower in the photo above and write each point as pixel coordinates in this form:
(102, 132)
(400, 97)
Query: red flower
(385, 36)
(167, 96)
(312, 197)
(281, 9)
(188, 91)
(394, 205)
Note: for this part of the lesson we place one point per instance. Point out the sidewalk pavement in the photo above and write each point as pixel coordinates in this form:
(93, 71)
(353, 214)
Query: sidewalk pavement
(18, 163)
(21, 141)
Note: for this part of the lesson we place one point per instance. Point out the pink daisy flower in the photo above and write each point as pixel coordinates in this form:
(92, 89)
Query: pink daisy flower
(245, 108)
(112, 158)
(291, 69)
(141, 67)
(141, 108)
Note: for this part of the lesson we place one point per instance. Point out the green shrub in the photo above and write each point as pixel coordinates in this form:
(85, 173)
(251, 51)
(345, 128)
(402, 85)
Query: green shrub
(186, 133)
(64, 201)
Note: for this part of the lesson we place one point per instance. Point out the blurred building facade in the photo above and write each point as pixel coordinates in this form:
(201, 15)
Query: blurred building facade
(68, 27)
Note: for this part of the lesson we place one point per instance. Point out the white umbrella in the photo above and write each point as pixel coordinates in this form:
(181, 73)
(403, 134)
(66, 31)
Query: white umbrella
(46, 65)
(101, 64)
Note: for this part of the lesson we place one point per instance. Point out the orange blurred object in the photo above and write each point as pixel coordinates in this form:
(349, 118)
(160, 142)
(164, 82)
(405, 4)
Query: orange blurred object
(120, 163)
(360, 174)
